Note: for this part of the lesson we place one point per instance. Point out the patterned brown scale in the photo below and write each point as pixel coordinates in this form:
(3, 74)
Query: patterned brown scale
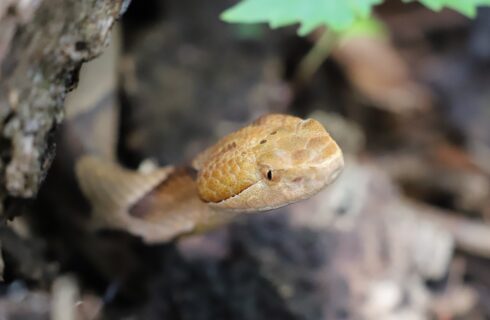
(276, 160)
(229, 167)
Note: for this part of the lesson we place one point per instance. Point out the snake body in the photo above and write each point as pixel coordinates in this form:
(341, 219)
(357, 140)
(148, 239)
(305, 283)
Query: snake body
(274, 161)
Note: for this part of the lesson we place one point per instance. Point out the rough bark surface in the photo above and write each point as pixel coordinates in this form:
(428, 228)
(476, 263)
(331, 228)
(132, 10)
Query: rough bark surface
(42, 46)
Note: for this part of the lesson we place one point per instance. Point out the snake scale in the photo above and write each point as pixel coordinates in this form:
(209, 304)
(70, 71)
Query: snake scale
(274, 161)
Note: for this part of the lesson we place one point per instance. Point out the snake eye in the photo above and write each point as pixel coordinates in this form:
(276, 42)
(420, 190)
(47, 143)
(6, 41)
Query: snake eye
(269, 175)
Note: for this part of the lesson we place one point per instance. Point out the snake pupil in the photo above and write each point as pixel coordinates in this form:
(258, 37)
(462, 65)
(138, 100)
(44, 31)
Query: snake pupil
(269, 175)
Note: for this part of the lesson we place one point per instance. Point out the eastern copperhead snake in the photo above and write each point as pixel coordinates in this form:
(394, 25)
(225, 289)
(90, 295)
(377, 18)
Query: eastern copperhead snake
(274, 161)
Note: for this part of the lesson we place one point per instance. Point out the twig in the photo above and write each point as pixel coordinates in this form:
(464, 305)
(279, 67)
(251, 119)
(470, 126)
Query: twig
(314, 58)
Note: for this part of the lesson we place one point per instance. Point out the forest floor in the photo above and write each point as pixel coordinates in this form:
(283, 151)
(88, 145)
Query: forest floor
(403, 233)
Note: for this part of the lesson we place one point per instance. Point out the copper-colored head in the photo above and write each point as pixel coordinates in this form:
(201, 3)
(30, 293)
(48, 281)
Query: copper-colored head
(275, 161)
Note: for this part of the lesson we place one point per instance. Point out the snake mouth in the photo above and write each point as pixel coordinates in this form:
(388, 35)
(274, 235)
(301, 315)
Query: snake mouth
(234, 195)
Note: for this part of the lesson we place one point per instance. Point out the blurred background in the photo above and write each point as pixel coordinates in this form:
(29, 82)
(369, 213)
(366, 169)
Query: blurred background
(402, 234)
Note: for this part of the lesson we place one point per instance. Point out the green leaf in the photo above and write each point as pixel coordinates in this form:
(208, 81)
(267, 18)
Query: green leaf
(466, 7)
(339, 15)
(310, 14)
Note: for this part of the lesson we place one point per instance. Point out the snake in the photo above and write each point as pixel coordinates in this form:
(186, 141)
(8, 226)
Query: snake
(272, 162)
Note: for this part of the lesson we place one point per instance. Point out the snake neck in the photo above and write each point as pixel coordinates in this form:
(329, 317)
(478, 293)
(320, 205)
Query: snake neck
(157, 206)
(175, 201)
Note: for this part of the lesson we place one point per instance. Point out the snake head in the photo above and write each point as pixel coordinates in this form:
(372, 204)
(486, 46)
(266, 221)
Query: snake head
(275, 161)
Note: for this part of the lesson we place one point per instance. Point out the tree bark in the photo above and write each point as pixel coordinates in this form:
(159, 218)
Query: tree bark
(42, 46)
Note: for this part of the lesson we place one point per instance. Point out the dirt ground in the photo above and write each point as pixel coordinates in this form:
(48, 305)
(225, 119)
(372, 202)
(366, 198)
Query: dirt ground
(403, 233)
